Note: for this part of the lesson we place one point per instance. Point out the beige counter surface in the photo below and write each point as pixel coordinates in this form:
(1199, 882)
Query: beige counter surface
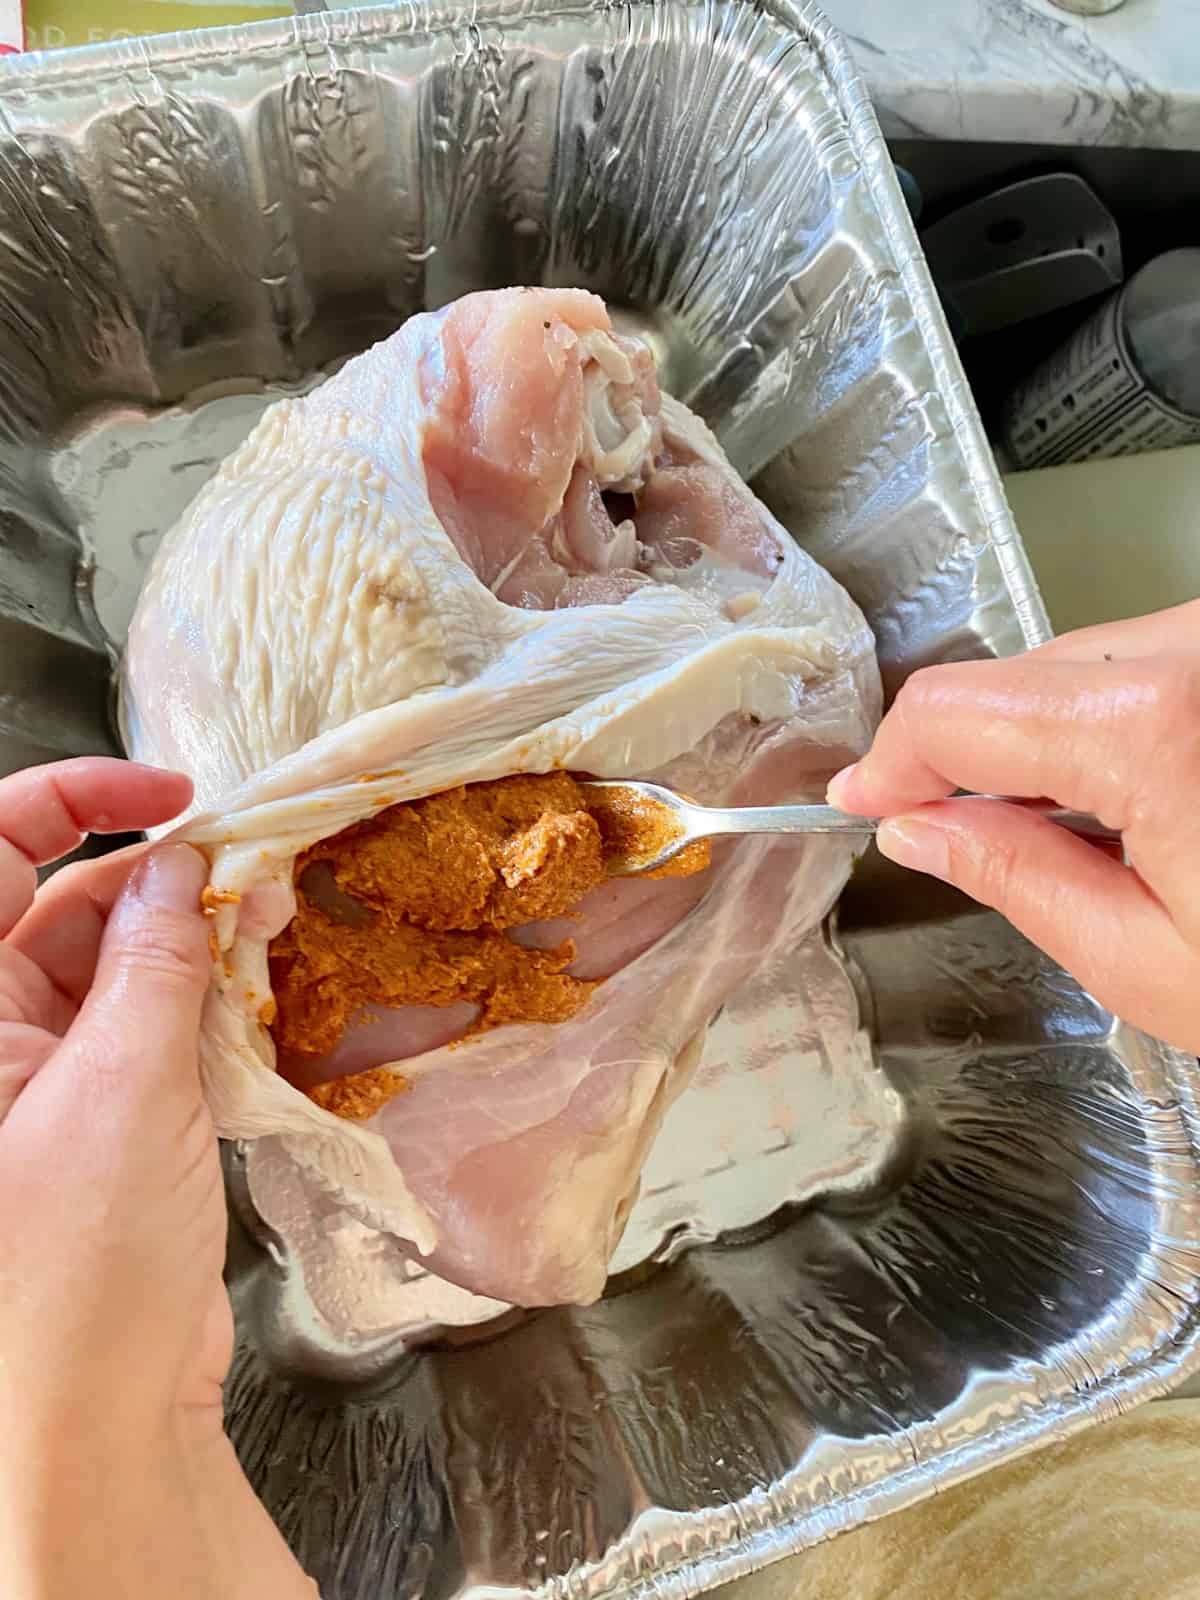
(1113, 1514)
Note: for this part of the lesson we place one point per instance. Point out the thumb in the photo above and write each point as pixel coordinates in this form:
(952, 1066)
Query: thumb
(1087, 911)
(142, 1015)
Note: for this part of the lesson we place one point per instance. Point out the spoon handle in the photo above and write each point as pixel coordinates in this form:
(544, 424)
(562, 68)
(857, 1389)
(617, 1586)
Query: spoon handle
(707, 822)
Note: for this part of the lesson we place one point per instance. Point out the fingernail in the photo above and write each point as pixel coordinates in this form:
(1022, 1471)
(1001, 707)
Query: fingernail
(170, 878)
(920, 845)
(155, 772)
(838, 788)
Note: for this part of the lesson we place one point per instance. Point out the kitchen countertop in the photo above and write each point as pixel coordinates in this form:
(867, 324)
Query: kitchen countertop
(1024, 71)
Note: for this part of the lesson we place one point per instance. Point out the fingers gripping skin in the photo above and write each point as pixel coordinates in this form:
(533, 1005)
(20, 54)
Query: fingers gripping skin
(112, 1362)
(60, 933)
(153, 965)
(51, 937)
(46, 812)
(1106, 721)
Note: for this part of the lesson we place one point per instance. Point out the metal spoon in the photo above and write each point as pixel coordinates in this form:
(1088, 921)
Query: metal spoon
(674, 823)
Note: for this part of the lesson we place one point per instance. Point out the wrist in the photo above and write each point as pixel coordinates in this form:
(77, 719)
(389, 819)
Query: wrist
(118, 1519)
(242, 1545)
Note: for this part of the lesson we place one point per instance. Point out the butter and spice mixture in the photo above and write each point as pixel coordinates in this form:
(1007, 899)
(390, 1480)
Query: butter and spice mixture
(634, 827)
(412, 908)
(360, 1095)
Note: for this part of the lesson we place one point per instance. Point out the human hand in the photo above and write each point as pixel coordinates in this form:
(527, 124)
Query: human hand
(1107, 721)
(115, 1328)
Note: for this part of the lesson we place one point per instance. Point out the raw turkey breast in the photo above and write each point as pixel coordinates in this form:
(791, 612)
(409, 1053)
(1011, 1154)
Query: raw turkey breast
(490, 546)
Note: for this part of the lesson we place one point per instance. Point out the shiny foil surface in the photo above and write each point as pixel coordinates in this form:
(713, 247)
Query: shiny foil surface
(925, 1205)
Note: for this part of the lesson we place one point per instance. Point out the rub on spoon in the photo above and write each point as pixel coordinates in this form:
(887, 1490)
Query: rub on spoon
(647, 826)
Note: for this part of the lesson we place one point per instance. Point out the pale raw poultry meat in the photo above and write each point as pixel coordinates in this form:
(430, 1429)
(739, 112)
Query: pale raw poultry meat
(490, 546)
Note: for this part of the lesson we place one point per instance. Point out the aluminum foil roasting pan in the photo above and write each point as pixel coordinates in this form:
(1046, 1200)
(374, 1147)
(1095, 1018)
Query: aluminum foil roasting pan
(926, 1205)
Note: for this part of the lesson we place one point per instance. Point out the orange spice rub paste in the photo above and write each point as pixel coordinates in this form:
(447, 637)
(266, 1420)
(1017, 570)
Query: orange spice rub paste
(411, 908)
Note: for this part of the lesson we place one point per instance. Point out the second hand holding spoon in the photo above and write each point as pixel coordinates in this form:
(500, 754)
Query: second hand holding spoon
(668, 823)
